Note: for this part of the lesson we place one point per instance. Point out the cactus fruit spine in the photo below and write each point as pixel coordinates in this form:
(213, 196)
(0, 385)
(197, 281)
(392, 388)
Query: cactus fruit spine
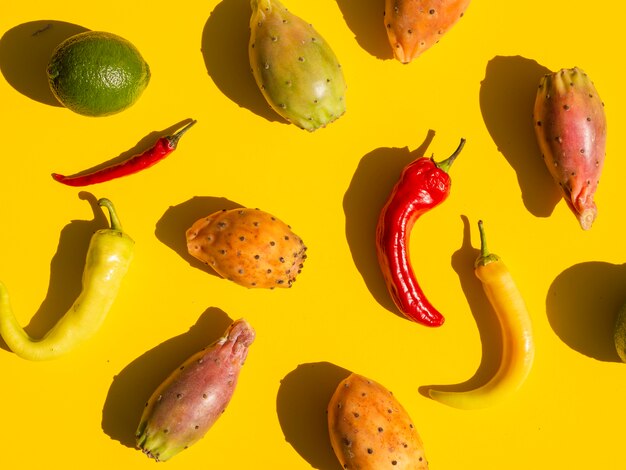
(183, 408)
(295, 68)
(570, 125)
(413, 26)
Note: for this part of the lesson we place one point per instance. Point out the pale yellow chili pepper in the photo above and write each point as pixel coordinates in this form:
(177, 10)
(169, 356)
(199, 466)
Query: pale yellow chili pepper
(108, 258)
(518, 348)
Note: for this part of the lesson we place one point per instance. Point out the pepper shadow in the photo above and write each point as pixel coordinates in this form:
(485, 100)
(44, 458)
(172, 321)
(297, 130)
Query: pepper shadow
(484, 316)
(582, 305)
(133, 386)
(225, 40)
(365, 18)
(172, 226)
(143, 145)
(66, 270)
(25, 51)
(507, 97)
(362, 204)
(301, 405)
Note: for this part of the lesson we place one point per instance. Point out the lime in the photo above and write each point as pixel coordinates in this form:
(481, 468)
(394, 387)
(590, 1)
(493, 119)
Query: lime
(96, 73)
(619, 333)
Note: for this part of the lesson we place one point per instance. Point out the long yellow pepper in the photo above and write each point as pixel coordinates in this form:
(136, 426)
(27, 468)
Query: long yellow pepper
(518, 348)
(108, 258)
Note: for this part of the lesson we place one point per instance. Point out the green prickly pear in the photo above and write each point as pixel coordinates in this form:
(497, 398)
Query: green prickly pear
(295, 68)
(183, 408)
(570, 125)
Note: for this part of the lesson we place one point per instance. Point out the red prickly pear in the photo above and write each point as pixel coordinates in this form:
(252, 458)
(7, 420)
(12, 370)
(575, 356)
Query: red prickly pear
(416, 25)
(295, 68)
(194, 396)
(570, 125)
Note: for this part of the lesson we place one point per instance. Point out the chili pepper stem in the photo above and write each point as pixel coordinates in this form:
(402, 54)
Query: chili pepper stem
(174, 138)
(115, 221)
(485, 256)
(447, 163)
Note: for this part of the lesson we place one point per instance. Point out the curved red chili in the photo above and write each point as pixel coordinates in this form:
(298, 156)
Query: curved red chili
(161, 149)
(423, 185)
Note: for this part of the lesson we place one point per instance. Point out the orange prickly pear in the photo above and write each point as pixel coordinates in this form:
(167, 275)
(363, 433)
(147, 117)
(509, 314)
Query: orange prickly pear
(570, 125)
(249, 247)
(183, 408)
(415, 25)
(370, 430)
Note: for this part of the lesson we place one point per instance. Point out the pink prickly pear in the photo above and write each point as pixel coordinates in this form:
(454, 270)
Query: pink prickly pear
(570, 125)
(295, 68)
(194, 396)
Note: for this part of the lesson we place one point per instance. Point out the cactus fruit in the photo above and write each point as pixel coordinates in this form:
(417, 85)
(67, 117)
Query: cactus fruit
(369, 429)
(415, 25)
(295, 68)
(183, 408)
(570, 125)
(249, 247)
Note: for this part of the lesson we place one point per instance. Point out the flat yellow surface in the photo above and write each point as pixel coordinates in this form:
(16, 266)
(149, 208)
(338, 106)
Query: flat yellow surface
(81, 411)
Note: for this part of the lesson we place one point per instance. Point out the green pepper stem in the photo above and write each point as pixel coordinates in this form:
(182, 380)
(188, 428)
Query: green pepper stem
(485, 256)
(484, 251)
(447, 163)
(115, 221)
(174, 138)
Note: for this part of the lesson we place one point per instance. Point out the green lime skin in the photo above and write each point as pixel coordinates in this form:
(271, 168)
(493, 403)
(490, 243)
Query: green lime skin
(619, 333)
(96, 73)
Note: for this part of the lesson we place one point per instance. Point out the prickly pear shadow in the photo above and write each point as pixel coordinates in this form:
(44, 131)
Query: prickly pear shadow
(362, 204)
(134, 384)
(171, 227)
(66, 270)
(582, 304)
(24, 54)
(484, 316)
(365, 20)
(507, 96)
(228, 25)
(301, 405)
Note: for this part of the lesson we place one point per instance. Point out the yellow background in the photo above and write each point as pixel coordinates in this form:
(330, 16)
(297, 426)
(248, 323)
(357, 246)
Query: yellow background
(479, 82)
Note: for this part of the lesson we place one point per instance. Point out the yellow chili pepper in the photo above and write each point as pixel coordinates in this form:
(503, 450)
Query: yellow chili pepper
(108, 258)
(518, 348)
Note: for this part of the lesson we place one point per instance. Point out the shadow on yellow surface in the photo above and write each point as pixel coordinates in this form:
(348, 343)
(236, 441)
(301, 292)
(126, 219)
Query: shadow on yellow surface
(66, 270)
(507, 97)
(486, 320)
(362, 204)
(133, 386)
(172, 226)
(365, 20)
(582, 305)
(24, 54)
(301, 405)
(225, 50)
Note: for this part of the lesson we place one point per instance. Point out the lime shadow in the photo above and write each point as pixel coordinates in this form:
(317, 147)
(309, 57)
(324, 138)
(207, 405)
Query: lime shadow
(25, 51)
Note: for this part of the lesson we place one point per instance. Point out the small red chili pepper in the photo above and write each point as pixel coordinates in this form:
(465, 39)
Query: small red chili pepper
(161, 149)
(423, 185)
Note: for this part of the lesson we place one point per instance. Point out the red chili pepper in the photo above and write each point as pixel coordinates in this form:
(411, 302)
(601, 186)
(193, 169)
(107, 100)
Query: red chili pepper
(423, 185)
(161, 149)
